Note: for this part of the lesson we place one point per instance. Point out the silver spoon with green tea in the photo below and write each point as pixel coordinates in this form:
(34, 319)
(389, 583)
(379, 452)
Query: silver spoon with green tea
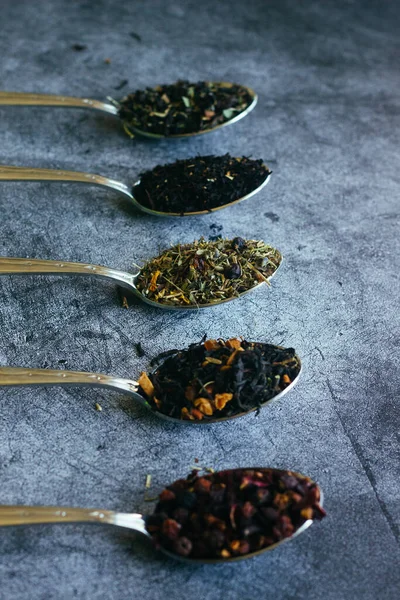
(213, 381)
(184, 277)
(182, 109)
(190, 187)
(222, 516)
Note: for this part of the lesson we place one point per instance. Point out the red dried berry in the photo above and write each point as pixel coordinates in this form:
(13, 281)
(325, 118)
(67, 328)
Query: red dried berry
(183, 546)
(286, 526)
(244, 547)
(170, 529)
(263, 496)
(248, 510)
(167, 496)
(181, 515)
(202, 485)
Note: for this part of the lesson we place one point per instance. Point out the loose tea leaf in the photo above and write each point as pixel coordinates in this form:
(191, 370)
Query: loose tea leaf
(207, 272)
(218, 378)
(183, 107)
(199, 183)
(232, 513)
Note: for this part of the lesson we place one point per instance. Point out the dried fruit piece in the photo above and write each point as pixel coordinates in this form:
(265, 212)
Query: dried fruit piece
(204, 406)
(220, 400)
(146, 384)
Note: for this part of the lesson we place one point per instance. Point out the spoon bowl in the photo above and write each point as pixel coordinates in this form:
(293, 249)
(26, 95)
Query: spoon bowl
(13, 515)
(11, 173)
(22, 266)
(112, 107)
(18, 376)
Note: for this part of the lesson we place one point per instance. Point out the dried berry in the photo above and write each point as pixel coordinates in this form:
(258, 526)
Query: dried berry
(167, 495)
(170, 529)
(202, 485)
(183, 546)
(238, 243)
(233, 271)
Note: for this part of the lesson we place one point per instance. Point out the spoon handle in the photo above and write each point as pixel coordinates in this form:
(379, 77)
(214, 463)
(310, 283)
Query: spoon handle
(35, 515)
(22, 266)
(10, 173)
(16, 376)
(26, 99)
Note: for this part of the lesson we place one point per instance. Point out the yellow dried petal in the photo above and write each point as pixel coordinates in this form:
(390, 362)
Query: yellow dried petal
(185, 414)
(307, 513)
(146, 384)
(211, 344)
(233, 343)
(204, 405)
(153, 282)
(220, 400)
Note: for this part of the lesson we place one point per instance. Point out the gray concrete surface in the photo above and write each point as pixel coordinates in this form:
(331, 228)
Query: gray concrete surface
(327, 124)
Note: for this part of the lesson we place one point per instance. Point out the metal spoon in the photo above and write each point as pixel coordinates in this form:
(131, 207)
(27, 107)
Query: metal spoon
(10, 173)
(18, 376)
(36, 515)
(112, 107)
(34, 266)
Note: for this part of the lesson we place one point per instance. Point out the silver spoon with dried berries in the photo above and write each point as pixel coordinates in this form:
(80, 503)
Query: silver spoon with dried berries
(181, 109)
(218, 517)
(208, 382)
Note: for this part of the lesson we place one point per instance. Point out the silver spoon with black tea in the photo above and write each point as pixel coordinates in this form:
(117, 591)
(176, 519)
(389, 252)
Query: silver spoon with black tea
(182, 109)
(191, 385)
(191, 187)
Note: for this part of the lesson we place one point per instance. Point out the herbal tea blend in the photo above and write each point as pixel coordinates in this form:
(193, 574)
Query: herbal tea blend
(232, 513)
(199, 183)
(183, 107)
(218, 378)
(207, 272)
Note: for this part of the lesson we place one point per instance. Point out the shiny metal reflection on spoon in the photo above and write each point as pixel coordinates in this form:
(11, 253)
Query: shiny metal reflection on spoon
(38, 515)
(11, 173)
(35, 266)
(19, 376)
(111, 107)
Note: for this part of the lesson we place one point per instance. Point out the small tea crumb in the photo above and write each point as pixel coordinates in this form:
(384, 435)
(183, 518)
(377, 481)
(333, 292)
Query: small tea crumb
(139, 349)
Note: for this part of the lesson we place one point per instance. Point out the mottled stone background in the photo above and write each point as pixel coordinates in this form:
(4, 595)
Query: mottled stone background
(327, 123)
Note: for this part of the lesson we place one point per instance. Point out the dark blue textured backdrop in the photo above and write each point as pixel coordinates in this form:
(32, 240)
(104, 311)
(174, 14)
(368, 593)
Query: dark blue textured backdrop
(327, 124)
